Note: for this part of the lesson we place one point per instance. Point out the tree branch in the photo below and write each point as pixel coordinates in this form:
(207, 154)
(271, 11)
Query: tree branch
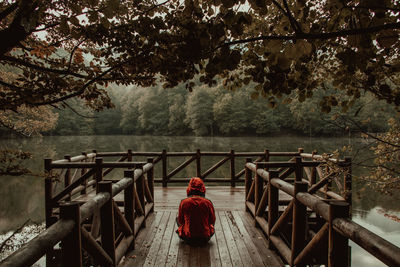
(16, 32)
(8, 10)
(80, 91)
(155, 6)
(292, 20)
(37, 67)
(20, 133)
(73, 52)
(52, 25)
(76, 112)
(318, 36)
(373, 136)
(10, 85)
(375, 8)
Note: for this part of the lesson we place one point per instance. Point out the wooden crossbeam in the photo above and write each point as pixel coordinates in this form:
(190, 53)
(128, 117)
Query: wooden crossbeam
(286, 173)
(241, 172)
(181, 167)
(121, 221)
(123, 158)
(138, 205)
(320, 184)
(250, 196)
(147, 193)
(69, 188)
(214, 167)
(263, 202)
(307, 172)
(283, 219)
(320, 238)
(94, 249)
(95, 229)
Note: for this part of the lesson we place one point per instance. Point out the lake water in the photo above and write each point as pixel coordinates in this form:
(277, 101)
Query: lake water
(23, 197)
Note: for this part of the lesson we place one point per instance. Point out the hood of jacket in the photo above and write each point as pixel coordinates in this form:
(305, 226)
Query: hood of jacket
(196, 187)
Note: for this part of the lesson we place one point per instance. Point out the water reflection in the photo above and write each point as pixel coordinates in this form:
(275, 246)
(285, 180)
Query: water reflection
(382, 226)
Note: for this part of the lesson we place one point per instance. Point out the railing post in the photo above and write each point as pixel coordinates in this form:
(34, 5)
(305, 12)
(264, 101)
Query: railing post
(99, 171)
(140, 192)
(313, 178)
(328, 185)
(299, 226)
(129, 204)
(94, 175)
(130, 158)
(338, 252)
(266, 155)
(150, 180)
(247, 180)
(298, 169)
(83, 171)
(50, 219)
(107, 221)
(198, 163)
(273, 202)
(164, 168)
(48, 194)
(67, 177)
(348, 181)
(71, 245)
(232, 168)
(258, 188)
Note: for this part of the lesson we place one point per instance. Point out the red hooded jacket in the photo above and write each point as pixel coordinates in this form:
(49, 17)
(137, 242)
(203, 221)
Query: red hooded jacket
(196, 216)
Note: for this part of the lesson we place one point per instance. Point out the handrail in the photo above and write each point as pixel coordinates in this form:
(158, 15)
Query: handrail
(77, 158)
(93, 164)
(203, 153)
(32, 251)
(380, 248)
(168, 176)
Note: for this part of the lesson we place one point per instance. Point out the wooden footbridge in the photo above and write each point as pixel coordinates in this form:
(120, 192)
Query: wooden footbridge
(283, 208)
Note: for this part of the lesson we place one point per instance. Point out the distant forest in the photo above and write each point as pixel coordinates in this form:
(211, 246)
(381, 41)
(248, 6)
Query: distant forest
(217, 111)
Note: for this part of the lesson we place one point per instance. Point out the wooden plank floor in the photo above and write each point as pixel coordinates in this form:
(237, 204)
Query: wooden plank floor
(236, 241)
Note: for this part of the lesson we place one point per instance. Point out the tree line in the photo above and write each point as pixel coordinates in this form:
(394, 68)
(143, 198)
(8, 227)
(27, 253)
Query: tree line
(217, 111)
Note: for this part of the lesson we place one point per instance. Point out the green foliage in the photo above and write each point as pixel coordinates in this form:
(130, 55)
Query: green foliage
(199, 111)
(214, 111)
(385, 175)
(66, 49)
(11, 162)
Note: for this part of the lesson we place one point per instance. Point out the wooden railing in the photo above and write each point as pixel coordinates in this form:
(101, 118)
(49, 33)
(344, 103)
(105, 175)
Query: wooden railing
(306, 223)
(82, 179)
(170, 176)
(78, 226)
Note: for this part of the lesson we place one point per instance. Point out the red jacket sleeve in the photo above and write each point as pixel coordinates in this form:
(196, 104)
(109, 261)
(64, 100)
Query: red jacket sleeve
(181, 219)
(212, 214)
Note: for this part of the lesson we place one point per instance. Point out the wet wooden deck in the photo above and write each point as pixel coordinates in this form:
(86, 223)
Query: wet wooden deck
(236, 241)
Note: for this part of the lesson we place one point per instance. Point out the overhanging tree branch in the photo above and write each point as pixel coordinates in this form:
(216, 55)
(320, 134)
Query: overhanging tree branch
(8, 10)
(40, 68)
(27, 11)
(375, 8)
(319, 36)
(10, 85)
(292, 20)
(80, 91)
(76, 112)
